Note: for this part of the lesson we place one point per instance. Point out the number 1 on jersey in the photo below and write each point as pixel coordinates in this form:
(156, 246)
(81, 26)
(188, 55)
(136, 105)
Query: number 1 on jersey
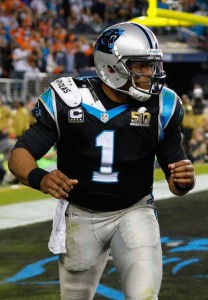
(105, 140)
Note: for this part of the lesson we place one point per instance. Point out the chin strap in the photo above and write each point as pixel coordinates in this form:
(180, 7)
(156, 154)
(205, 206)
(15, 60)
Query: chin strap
(138, 95)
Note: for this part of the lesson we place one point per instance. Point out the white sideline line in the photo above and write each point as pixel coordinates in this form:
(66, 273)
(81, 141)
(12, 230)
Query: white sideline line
(25, 213)
(161, 190)
(20, 214)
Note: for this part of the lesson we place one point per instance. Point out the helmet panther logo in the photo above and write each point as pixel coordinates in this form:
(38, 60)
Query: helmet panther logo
(106, 41)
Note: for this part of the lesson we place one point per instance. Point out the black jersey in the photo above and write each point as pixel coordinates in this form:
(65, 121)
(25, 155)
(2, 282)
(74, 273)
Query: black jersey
(110, 151)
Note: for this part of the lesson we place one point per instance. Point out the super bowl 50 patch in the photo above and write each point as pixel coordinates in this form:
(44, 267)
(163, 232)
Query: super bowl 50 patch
(76, 115)
(140, 118)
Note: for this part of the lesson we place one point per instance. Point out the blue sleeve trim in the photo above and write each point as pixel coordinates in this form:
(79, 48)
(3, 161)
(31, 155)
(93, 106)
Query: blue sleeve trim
(167, 107)
(47, 99)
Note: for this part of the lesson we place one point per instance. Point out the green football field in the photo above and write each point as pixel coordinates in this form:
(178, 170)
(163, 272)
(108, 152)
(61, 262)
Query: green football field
(29, 271)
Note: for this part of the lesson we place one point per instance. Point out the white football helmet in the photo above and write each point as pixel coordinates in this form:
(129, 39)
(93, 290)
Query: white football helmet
(121, 44)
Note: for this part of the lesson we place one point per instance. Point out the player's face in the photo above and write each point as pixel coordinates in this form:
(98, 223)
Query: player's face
(142, 72)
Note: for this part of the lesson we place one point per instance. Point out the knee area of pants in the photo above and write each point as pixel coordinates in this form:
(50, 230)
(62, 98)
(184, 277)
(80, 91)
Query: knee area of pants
(74, 292)
(151, 297)
(138, 297)
(141, 281)
(148, 298)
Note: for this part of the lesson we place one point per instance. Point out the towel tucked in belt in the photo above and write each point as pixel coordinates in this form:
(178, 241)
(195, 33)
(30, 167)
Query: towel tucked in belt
(56, 242)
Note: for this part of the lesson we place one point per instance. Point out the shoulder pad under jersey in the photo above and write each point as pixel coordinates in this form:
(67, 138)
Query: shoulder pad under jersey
(68, 91)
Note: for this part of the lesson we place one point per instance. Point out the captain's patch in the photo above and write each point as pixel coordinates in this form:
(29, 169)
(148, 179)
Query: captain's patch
(76, 115)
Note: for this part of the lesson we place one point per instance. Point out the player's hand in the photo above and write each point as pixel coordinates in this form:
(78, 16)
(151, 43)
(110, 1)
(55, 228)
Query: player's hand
(182, 172)
(57, 184)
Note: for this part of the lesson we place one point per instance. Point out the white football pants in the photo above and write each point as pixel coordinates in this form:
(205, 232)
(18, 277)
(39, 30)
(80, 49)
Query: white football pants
(133, 237)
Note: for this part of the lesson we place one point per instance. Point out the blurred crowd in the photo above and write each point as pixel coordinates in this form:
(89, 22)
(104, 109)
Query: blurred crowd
(200, 8)
(57, 37)
(195, 125)
(14, 120)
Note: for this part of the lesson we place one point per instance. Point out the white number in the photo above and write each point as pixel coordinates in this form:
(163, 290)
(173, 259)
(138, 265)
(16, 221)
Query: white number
(106, 140)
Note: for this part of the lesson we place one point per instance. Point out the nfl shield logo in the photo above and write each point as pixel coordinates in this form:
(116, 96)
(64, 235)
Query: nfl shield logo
(104, 117)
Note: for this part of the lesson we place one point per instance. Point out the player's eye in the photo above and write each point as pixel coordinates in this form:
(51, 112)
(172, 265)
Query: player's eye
(142, 65)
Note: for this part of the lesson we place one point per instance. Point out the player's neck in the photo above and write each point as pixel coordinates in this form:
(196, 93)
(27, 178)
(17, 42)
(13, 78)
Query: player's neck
(115, 95)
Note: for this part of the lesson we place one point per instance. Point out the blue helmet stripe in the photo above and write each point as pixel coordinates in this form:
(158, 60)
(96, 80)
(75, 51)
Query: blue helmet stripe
(146, 34)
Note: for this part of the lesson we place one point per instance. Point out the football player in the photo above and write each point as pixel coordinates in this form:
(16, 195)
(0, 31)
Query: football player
(108, 130)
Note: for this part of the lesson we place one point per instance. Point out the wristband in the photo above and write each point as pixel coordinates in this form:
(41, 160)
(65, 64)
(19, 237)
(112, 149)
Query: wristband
(184, 189)
(35, 176)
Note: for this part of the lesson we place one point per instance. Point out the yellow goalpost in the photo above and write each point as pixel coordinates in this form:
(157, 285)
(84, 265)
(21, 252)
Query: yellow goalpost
(158, 17)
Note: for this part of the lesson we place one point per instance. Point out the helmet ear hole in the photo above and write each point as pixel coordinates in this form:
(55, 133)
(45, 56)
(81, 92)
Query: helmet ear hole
(111, 70)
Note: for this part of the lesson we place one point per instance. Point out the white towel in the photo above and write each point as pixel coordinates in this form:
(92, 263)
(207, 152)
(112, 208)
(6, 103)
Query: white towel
(57, 238)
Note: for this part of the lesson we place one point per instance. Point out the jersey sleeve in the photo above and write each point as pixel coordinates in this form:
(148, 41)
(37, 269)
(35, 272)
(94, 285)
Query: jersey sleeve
(42, 135)
(170, 149)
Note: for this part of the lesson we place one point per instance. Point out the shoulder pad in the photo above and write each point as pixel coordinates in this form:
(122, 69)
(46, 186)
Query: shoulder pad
(66, 88)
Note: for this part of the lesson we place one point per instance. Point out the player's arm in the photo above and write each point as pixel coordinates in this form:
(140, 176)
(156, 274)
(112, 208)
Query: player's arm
(178, 170)
(34, 144)
(20, 163)
(24, 167)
